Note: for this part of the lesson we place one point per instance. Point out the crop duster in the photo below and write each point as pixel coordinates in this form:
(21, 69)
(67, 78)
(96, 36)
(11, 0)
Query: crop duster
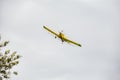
(61, 36)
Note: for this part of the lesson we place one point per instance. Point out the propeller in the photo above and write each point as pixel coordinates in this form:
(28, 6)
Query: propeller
(60, 31)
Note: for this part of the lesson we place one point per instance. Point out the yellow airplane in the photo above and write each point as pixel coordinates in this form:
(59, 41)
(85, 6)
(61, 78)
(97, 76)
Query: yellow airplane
(62, 37)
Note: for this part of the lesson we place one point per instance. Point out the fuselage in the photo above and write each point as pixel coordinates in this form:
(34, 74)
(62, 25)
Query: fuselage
(61, 36)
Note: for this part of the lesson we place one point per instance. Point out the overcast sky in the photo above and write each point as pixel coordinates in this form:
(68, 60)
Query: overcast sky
(93, 23)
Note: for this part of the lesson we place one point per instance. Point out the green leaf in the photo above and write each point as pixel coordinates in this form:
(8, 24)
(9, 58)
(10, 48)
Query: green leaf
(8, 60)
(7, 51)
(16, 73)
(6, 42)
(3, 72)
(13, 54)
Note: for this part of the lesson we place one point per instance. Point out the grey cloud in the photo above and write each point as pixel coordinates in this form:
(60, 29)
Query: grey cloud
(93, 23)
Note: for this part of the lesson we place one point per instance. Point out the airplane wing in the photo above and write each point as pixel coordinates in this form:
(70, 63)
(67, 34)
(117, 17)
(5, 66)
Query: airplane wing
(67, 40)
(51, 31)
